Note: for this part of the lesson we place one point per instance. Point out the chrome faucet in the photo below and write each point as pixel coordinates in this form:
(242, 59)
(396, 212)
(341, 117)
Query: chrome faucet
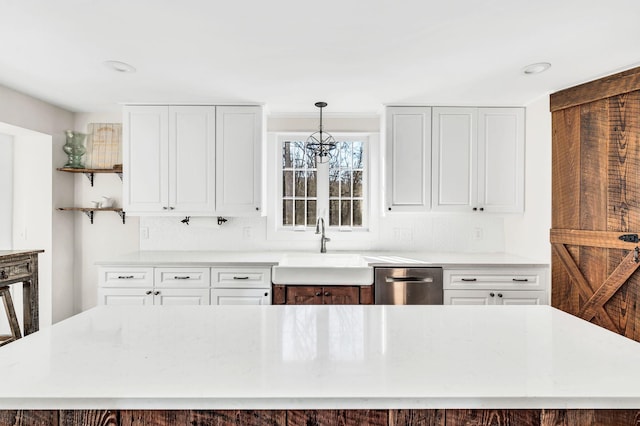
(323, 239)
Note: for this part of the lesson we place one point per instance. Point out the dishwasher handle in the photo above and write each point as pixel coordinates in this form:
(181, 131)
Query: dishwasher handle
(408, 279)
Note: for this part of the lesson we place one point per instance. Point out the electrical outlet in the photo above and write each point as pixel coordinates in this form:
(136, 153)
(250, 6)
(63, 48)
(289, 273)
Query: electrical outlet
(478, 233)
(402, 234)
(247, 233)
(144, 233)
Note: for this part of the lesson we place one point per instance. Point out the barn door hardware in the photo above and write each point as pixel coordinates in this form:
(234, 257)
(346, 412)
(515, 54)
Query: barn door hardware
(629, 238)
(636, 253)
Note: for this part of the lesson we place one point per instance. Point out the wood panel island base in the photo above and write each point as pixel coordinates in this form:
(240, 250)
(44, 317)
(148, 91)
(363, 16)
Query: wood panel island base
(321, 365)
(321, 417)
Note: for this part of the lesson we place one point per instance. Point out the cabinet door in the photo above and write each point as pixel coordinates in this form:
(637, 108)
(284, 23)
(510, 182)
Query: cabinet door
(181, 296)
(408, 153)
(341, 295)
(125, 296)
(501, 159)
(454, 159)
(240, 296)
(239, 161)
(192, 159)
(145, 162)
(303, 295)
(469, 297)
(521, 297)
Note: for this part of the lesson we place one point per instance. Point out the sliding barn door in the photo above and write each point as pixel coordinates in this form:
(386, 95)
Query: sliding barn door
(596, 203)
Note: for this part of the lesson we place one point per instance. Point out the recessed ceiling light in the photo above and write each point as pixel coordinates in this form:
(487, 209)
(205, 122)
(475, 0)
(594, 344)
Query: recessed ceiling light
(119, 66)
(537, 68)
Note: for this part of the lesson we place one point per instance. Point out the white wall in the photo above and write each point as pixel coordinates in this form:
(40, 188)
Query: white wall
(528, 234)
(20, 112)
(524, 234)
(107, 236)
(415, 232)
(6, 192)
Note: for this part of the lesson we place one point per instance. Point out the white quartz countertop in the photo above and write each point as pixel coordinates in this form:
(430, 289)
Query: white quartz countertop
(271, 258)
(279, 357)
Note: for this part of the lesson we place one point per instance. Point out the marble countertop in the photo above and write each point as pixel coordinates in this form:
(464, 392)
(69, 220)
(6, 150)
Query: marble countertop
(271, 258)
(281, 357)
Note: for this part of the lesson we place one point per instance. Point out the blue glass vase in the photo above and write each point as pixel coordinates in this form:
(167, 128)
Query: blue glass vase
(74, 148)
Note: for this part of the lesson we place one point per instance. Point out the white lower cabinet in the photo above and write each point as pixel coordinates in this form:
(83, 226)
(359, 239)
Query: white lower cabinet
(181, 296)
(240, 296)
(237, 285)
(150, 296)
(496, 286)
(241, 286)
(125, 296)
(495, 297)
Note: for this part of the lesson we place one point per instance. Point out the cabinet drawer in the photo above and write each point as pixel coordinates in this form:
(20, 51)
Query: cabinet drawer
(242, 277)
(126, 277)
(15, 269)
(495, 278)
(182, 277)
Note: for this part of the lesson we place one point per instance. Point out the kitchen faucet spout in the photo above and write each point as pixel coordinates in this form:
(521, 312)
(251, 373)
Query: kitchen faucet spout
(323, 239)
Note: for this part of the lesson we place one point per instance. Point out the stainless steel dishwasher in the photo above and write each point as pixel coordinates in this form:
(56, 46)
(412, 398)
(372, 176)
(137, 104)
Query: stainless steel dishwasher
(408, 286)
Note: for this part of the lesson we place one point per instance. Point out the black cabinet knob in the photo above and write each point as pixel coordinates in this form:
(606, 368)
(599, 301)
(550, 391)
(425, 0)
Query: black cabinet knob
(475, 209)
(481, 209)
(499, 294)
(318, 294)
(491, 294)
(326, 293)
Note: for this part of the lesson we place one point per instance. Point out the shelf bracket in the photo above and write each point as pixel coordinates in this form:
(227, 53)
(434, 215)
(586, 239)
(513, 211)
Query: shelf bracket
(90, 214)
(122, 214)
(119, 175)
(90, 176)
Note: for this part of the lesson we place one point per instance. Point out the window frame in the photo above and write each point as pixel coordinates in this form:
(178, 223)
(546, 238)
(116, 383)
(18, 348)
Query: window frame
(370, 196)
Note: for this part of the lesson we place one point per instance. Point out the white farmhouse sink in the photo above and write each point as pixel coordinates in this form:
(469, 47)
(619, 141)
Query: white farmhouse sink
(323, 269)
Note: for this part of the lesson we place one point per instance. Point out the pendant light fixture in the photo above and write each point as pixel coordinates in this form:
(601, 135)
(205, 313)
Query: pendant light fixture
(320, 144)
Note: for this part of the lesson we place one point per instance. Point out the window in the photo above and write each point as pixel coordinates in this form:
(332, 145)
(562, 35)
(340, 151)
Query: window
(335, 190)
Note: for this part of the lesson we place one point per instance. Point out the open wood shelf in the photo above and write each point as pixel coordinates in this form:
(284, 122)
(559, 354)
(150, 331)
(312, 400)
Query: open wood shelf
(89, 211)
(89, 173)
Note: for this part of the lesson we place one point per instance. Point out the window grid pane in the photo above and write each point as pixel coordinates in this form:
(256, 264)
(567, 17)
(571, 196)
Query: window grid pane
(299, 193)
(346, 186)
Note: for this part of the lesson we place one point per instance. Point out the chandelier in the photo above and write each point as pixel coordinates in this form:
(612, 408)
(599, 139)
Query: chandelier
(320, 144)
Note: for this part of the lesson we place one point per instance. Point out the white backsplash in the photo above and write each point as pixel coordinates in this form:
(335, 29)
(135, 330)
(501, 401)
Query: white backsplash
(405, 232)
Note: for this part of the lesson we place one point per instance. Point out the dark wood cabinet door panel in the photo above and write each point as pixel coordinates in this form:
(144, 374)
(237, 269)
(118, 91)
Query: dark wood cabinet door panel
(303, 295)
(341, 295)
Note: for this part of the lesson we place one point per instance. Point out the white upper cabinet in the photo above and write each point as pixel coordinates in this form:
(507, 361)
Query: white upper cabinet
(454, 161)
(192, 159)
(478, 160)
(145, 159)
(501, 159)
(170, 166)
(239, 160)
(408, 154)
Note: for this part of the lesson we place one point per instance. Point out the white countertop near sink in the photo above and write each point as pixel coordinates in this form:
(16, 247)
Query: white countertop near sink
(308, 357)
(270, 258)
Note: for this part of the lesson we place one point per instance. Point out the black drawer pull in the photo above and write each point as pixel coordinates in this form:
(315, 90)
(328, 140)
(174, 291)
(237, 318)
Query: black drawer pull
(469, 279)
(177, 277)
(240, 278)
(521, 280)
(125, 277)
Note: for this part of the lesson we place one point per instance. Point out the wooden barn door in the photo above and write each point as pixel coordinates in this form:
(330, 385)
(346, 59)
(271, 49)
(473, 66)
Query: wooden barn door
(596, 202)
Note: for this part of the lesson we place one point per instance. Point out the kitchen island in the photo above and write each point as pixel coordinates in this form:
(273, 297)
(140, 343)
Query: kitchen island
(381, 361)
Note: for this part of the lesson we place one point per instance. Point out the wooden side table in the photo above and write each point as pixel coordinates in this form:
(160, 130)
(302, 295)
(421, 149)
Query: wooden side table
(21, 266)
